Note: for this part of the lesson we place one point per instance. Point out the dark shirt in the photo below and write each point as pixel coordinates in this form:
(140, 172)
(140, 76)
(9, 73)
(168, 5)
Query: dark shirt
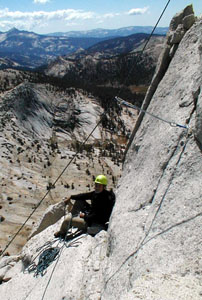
(100, 208)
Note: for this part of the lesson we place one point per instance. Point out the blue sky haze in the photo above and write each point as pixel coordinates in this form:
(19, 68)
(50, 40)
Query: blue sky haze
(45, 16)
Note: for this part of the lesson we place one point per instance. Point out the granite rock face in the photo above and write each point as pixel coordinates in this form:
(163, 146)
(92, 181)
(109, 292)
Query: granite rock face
(153, 248)
(177, 30)
(198, 124)
(155, 231)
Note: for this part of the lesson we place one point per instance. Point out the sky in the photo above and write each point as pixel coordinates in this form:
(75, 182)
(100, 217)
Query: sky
(48, 16)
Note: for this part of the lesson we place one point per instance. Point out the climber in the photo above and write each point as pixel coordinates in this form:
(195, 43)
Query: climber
(96, 215)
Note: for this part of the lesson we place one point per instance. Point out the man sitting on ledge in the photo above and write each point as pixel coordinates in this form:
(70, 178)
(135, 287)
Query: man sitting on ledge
(98, 213)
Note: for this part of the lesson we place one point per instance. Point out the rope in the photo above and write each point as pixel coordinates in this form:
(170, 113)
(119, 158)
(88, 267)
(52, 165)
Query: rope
(144, 241)
(171, 123)
(71, 160)
(146, 43)
(45, 259)
(70, 244)
(43, 249)
(155, 26)
(51, 254)
(102, 116)
(48, 255)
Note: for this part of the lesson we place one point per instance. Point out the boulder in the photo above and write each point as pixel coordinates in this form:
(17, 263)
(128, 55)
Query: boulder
(50, 217)
(178, 18)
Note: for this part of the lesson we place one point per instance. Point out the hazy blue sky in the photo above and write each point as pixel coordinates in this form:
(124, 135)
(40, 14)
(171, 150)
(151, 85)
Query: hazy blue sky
(45, 16)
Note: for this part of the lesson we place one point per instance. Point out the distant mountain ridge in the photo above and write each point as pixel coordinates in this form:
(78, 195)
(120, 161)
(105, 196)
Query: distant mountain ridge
(122, 45)
(28, 50)
(151, 249)
(104, 33)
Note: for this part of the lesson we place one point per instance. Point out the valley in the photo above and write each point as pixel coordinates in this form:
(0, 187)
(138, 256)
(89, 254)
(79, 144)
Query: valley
(47, 114)
(42, 129)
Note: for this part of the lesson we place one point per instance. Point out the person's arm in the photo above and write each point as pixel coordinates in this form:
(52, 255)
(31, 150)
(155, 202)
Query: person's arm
(83, 197)
(66, 200)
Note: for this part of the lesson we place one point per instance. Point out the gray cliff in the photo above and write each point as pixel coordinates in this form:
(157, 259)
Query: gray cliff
(153, 246)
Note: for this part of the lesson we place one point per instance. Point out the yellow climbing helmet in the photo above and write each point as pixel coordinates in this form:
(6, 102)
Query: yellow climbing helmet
(101, 179)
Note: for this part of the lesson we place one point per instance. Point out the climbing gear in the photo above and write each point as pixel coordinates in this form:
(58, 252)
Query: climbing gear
(101, 179)
(173, 124)
(52, 253)
(82, 144)
(45, 259)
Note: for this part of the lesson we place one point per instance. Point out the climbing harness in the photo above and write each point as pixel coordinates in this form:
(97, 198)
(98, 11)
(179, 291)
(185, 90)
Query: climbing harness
(173, 124)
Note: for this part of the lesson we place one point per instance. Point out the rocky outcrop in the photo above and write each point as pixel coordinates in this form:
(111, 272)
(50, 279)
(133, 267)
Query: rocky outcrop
(40, 112)
(161, 191)
(152, 249)
(51, 216)
(179, 25)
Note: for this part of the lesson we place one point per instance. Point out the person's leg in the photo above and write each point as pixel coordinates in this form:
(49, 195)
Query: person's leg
(71, 222)
(81, 226)
(79, 223)
(66, 224)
